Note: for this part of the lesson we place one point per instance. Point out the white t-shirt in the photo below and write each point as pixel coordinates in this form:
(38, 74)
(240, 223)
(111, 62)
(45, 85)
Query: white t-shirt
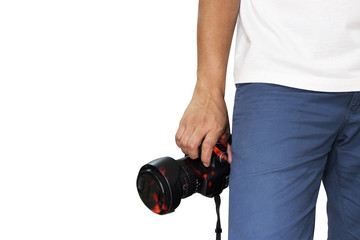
(306, 44)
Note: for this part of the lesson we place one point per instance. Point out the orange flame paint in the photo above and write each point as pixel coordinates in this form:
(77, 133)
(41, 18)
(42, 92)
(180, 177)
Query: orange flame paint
(156, 209)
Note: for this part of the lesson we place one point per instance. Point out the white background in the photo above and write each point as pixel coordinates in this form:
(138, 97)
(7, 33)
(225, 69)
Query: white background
(89, 92)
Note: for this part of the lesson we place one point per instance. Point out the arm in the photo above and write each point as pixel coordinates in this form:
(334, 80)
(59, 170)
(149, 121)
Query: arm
(206, 116)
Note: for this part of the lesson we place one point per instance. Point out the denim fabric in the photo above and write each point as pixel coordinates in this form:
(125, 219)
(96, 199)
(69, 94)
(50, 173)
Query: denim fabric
(285, 142)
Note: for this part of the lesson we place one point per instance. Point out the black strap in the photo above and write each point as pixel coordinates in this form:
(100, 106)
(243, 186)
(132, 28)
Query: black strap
(218, 229)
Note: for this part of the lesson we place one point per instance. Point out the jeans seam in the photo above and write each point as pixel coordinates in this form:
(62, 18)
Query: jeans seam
(347, 118)
(345, 211)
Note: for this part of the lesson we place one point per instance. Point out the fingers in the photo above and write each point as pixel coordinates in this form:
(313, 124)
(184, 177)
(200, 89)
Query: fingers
(179, 135)
(189, 141)
(194, 143)
(207, 146)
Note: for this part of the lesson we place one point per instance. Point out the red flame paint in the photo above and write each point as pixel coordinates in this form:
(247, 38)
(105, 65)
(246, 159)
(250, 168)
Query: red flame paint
(164, 207)
(223, 139)
(205, 176)
(162, 170)
(155, 197)
(209, 184)
(193, 168)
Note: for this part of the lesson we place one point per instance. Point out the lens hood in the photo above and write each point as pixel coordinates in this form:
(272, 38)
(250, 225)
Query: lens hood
(158, 185)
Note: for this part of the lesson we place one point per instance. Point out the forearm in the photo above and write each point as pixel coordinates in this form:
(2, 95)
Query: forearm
(206, 118)
(216, 23)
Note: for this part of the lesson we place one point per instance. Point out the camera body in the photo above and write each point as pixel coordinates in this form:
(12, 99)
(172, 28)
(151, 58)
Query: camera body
(163, 182)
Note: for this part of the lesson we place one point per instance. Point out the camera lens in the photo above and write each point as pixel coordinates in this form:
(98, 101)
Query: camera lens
(157, 185)
(163, 182)
(152, 192)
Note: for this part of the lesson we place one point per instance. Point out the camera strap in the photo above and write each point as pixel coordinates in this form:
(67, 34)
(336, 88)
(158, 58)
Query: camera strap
(218, 229)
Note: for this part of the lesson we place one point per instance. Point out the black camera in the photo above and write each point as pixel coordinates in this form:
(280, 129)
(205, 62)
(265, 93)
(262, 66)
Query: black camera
(163, 182)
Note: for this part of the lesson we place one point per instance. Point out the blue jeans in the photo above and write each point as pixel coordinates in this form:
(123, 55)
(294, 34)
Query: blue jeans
(285, 141)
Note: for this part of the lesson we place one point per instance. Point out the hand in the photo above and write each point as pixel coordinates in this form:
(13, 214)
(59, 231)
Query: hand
(203, 122)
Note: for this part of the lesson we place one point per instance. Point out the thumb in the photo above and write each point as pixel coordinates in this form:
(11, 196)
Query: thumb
(229, 153)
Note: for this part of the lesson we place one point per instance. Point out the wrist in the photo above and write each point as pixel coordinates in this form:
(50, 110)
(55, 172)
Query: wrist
(210, 84)
(206, 92)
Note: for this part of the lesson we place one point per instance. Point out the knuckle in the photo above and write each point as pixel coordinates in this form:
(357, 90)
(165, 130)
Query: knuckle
(177, 139)
(193, 155)
(207, 145)
(182, 144)
(191, 145)
(204, 122)
(193, 152)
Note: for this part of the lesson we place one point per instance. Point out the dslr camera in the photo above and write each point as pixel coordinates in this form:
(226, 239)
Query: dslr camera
(163, 182)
